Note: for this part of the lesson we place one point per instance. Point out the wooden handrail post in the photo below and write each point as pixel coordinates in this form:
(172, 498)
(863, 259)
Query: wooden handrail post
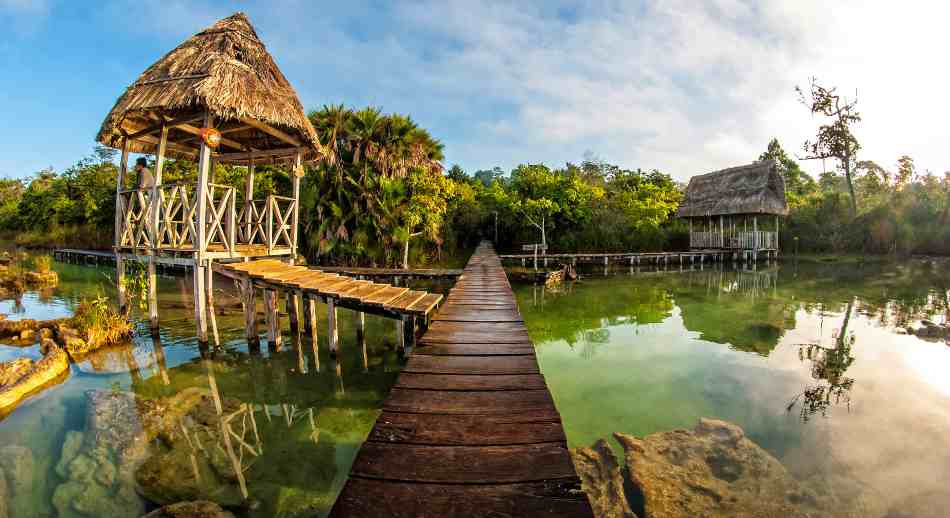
(270, 222)
(119, 231)
(201, 198)
(248, 198)
(298, 168)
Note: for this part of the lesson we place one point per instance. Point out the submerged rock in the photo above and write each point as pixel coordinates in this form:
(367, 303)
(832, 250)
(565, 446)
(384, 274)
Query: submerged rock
(714, 471)
(196, 509)
(16, 481)
(99, 466)
(47, 370)
(602, 480)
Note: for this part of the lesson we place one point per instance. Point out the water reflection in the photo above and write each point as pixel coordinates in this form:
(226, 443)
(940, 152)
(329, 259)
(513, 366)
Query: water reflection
(263, 432)
(811, 360)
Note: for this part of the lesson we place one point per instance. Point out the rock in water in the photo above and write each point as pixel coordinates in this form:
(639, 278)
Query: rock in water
(196, 509)
(602, 481)
(712, 471)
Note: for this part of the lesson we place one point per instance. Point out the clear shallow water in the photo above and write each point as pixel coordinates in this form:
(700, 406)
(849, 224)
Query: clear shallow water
(810, 360)
(310, 422)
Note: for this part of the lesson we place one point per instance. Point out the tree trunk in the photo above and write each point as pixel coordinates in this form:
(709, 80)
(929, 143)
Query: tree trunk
(847, 175)
(405, 254)
(544, 241)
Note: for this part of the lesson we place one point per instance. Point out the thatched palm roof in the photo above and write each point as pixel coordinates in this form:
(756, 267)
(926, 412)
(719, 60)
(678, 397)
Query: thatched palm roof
(757, 188)
(224, 69)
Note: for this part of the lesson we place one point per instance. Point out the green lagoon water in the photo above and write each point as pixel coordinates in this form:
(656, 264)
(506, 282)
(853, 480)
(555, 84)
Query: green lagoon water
(311, 422)
(811, 360)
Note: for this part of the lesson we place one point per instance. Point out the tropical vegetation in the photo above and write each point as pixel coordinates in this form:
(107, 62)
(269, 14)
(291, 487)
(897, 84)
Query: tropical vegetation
(380, 196)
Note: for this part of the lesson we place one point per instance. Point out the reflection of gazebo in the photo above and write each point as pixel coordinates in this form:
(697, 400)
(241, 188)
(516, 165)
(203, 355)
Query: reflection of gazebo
(727, 204)
(216, 98)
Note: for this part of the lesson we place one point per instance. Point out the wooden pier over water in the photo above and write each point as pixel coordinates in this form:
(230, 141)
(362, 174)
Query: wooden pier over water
(470, 428)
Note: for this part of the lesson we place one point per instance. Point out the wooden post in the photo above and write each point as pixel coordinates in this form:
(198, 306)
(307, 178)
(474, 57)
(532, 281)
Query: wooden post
(250, 313)
(273, 319)
(722, 235)
(204, 164)
(154, 213)
(401, 336)
(199, 288)
(333, 335)
(293, 312)
(690, 220)
(209, 294)
(776, 235)
(311, 310)
(119, 219)
(755, 238)
(409, 328)
(298, 165)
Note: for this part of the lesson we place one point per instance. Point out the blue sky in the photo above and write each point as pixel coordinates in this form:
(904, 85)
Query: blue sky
(680, 86)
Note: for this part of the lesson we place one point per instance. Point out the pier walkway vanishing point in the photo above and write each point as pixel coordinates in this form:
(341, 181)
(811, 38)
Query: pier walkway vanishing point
(470, 428)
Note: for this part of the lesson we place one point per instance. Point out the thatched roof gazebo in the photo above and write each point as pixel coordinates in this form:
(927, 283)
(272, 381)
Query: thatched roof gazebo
(217, 97)
(730, 199)
(225, 72)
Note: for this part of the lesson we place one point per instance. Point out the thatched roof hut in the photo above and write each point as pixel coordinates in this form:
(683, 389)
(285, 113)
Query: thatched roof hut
(226, 71)
(757, 188)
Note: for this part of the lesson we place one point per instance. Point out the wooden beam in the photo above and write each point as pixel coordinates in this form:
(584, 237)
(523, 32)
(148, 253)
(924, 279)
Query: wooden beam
(178, 148)
(232, 129)
(274, 132)
(119, 262)
(171, 123)
(188, 128)
(287, 152)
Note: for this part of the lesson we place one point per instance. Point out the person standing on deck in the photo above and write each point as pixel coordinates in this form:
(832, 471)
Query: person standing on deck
(146, 180)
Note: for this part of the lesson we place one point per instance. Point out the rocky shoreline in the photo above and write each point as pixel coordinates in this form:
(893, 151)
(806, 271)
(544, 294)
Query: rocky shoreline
(714, 471)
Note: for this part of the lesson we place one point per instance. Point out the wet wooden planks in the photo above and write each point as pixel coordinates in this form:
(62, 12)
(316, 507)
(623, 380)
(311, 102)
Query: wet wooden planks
(470, 428)
(275, 274)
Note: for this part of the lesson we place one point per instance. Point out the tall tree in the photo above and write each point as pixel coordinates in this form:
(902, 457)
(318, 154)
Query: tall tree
(797, 182)
(834, 139)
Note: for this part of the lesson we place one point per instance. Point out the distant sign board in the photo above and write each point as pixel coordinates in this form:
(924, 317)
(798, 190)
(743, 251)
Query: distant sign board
(534, 247)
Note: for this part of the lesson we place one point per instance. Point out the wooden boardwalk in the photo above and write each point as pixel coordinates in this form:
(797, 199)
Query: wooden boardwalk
(470, 428)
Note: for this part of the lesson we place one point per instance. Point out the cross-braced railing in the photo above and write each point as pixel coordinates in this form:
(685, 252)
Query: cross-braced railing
(171, 222)
(280, 220)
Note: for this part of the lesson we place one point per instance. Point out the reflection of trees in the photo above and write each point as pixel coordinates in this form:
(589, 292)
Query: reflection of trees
(828, 368)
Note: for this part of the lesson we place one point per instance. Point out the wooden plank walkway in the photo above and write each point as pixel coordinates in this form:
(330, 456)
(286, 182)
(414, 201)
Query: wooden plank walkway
(412, 273)
(470, 428)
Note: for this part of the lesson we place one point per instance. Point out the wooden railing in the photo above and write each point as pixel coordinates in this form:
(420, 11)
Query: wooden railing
(171, 222)
(280, 221)
(741, 240)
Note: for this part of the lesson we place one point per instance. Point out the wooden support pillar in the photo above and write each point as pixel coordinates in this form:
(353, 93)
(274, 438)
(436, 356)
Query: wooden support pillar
(209, 294)
(250, 313)
(248, 200)
(119, 219)
(311, 310)
(293, 312)
(296, 175)
(201, 216)
(361, 339)
(333, 334)
(401, 336)
(200, 313)
(409, 328)
(273, 319)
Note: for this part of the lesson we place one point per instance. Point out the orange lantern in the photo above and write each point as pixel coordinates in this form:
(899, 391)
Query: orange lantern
(211, 137)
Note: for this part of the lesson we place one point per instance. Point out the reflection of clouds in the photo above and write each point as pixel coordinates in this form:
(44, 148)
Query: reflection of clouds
(892, 441)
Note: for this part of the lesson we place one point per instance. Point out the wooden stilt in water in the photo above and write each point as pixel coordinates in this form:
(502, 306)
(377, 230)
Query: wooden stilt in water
(401, 336)
(361, 338)
(212, 319)
(250, 314)
(273, 319)
(152, 290)
(311, 311)
(333, 335)
(120, 283)
(293, 312)
(200, 313)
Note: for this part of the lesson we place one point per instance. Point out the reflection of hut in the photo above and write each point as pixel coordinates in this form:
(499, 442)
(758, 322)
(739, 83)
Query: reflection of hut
(729, 209)
(216, 98)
